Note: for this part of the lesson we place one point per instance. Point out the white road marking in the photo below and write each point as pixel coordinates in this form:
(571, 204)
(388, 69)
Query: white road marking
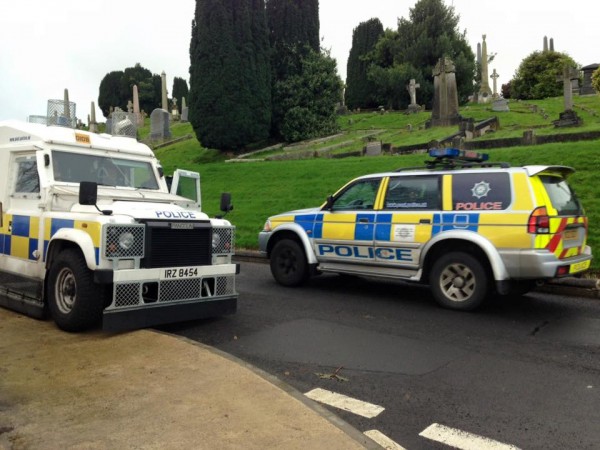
(383, 440)
(340, 401)
(461, 439)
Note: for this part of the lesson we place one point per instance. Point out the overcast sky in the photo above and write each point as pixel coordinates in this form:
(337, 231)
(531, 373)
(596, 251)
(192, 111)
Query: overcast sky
(48, 46)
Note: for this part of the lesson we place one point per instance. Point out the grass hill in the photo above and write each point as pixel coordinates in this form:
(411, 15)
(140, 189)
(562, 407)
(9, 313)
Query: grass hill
(262, 188)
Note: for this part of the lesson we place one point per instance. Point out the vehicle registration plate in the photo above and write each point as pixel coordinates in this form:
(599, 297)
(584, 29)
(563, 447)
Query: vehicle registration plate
(578, 267)
(179, 273)
(569, 235)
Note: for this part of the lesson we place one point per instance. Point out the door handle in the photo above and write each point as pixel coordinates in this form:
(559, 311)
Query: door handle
(425, 221)
(363, 220)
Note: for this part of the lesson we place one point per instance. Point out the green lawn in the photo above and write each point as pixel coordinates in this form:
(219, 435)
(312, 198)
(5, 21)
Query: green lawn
(260, 189)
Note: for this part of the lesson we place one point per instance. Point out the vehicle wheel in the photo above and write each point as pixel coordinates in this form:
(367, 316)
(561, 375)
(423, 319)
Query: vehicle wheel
(288, 263)
(75, 301)
(459, 281)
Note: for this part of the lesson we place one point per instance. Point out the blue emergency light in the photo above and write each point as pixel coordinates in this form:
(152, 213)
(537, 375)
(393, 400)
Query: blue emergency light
(464, 155)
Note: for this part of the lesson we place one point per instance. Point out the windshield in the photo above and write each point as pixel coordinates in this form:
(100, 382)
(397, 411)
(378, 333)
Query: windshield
(562, 197)
(106, 171)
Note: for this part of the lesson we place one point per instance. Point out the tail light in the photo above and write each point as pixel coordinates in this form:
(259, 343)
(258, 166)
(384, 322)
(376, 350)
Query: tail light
(539, 221)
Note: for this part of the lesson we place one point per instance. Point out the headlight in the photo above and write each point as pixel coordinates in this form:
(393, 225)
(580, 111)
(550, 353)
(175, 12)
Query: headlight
(267, 226)
(216, 241)
(126, 240)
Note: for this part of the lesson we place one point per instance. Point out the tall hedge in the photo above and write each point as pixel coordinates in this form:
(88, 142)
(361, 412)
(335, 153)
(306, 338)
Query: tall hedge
(360, 91)
(230, 77)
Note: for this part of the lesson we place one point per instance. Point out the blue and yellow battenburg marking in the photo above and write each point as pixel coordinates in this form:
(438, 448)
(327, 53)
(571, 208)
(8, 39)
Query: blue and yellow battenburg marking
(19, 235)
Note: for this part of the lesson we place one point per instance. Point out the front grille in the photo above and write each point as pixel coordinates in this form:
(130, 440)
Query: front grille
(134, 294)
(169, 245)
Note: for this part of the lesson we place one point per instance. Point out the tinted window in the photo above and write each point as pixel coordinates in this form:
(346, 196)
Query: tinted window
(360, 195)
(480, 191)
(421, 192)
(562, 197)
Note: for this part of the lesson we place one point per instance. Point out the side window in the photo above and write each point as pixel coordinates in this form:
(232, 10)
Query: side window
(420, 192)
(481, 191)
(27, 178)
(360, 195)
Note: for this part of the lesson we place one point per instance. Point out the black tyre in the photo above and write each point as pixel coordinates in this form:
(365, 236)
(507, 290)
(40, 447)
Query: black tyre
(459, 281)
(75, 301)
(288, 263)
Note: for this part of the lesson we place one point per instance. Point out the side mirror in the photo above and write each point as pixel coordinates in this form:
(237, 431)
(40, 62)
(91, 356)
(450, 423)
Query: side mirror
(329, 203)
(226, 205)
(88, 193)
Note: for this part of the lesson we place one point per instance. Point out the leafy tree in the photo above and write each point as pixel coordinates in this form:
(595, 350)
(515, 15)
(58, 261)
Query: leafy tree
(309, 98)
(596, 80)
(360, 90)
(420, 41)
(230, 84)
(536, 77)
(294, 37)
(180, 90)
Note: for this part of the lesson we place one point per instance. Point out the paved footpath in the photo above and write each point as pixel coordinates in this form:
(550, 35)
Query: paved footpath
(147, 390)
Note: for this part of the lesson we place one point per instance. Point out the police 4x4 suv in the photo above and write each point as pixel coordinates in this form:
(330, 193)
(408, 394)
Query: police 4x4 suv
(462, 225)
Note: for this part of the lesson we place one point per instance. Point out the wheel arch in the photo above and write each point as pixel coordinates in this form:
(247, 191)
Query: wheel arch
(471, 243)
(294, 232)
(72, 238)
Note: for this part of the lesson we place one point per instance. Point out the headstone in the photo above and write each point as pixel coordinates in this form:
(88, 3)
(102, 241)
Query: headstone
(373, 148)
(569, 74)
(500, 105)
(163, 82)
(586, 87)
(93, 125)
(545, 43)
(136, 107)
(484, 91)
(494, 76)
(412, 90)
(159, 124)
(445, 95)
(175, 111)
(184, 110)
(529, 137)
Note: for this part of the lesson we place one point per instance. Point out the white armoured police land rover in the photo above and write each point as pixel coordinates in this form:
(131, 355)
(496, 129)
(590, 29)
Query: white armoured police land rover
(89, 231)
(464, 226)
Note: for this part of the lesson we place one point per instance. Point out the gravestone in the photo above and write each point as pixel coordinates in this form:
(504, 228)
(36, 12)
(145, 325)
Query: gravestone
(184, 110)
(136, 107)
(163, 87)
(500, 105)
(484, 91)
(108, 126)
(494, 76)
(586, 87)
(93, 125)
(568, 118)
(373, 148)
(412, 90)
(445, 95)
(159, 124)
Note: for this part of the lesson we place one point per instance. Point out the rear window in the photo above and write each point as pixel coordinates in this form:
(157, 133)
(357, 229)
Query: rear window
(561, 195)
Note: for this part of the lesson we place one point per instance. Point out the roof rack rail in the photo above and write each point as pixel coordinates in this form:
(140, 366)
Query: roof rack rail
(453, 158)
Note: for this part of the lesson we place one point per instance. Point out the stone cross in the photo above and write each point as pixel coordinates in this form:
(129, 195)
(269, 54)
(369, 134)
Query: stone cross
(569, 73)
(412, 89)
(494, 76)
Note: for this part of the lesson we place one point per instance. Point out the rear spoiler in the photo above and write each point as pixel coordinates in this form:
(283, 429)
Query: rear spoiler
(565, 171)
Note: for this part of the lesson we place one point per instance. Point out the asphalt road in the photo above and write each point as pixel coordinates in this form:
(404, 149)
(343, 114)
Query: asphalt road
(524, 371)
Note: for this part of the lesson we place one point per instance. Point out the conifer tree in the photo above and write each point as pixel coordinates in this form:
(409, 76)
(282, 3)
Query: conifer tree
(360, 91)
(230, 96)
